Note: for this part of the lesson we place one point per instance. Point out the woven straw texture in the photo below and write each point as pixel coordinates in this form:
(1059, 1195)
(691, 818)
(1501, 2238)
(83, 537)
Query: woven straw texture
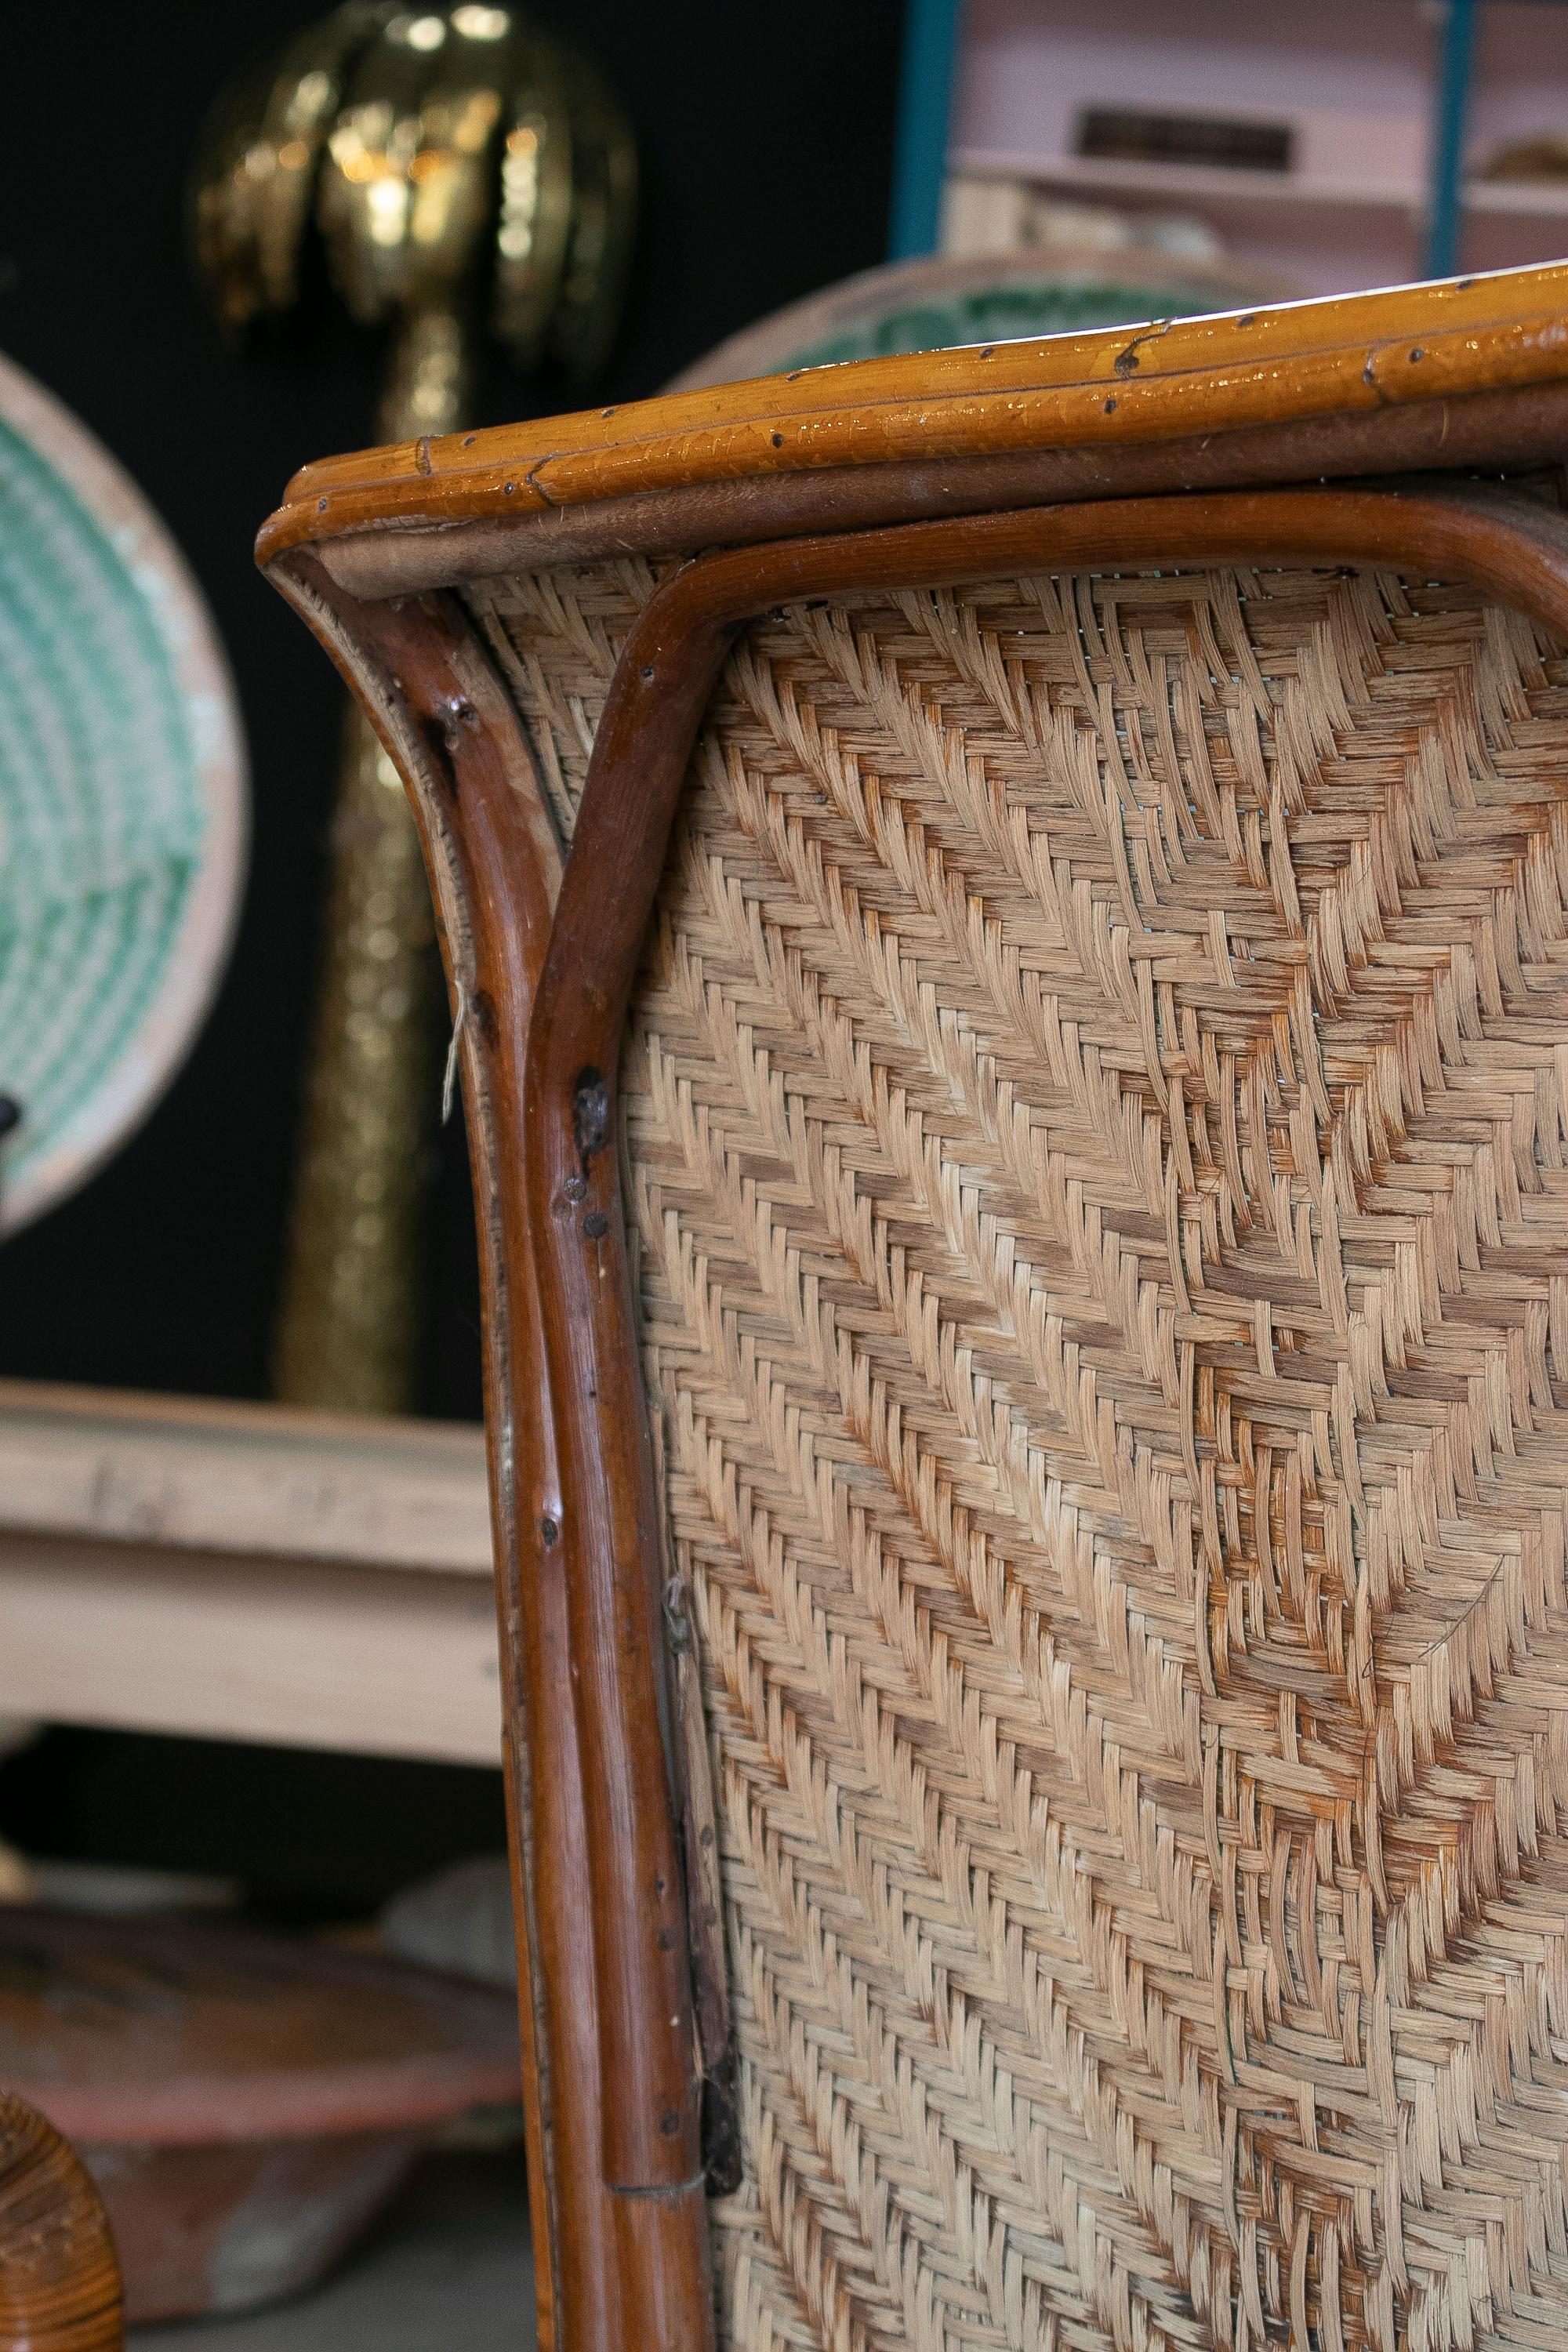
(1096, 1125)
(121, 801)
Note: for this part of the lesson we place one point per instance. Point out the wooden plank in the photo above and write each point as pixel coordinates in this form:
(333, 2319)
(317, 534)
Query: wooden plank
(244, 1478)
(448, 2262)
(299, 1654)
(240, 1572)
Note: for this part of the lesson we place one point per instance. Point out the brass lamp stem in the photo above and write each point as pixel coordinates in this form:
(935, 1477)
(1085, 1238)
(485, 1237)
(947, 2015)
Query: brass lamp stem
(348, 1327)
(427, 373)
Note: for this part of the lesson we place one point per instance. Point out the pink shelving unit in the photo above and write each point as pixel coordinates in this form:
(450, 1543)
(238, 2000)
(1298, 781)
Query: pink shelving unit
(1355, 80)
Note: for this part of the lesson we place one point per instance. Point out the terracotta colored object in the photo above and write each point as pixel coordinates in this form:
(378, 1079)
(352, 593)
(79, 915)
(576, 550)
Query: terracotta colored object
(943, 303)
(244, 2103)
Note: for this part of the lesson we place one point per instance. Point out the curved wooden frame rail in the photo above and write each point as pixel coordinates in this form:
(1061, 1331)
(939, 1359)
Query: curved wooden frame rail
(1105, 451)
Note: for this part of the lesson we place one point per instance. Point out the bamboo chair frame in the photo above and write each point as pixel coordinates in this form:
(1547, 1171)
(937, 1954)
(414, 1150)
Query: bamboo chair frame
(1376, 434)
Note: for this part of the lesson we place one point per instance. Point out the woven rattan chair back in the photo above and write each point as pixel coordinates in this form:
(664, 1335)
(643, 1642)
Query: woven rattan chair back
(1019, 1075)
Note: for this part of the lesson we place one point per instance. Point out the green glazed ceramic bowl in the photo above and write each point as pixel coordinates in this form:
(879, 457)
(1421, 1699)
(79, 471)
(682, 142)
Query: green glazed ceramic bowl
(122, 801)
(937, 305)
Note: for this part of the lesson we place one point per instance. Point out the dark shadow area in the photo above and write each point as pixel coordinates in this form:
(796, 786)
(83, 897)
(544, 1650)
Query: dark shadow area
(312, 1837)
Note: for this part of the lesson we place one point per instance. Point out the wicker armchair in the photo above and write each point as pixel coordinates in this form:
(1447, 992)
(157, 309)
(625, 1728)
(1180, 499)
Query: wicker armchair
(1005, 916)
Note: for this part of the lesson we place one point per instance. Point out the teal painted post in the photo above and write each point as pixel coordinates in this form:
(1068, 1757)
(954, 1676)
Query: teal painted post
(925, 104)
(1448, 138)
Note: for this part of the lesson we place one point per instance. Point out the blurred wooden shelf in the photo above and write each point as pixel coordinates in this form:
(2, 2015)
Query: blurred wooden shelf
(1221, 188)
(1392, 116)
(246, 1571)
(1178, 184)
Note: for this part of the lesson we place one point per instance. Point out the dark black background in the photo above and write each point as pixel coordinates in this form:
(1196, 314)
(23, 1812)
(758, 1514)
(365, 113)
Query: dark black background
(765, 137)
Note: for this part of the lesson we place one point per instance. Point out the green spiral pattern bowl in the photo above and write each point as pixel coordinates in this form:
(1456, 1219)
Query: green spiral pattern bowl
(121, 801)
(942, 303)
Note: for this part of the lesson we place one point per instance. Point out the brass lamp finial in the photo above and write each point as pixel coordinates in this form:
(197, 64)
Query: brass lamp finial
(463, 171)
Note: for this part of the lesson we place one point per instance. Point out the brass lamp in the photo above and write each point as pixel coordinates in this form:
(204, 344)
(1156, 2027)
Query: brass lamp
(463, 171)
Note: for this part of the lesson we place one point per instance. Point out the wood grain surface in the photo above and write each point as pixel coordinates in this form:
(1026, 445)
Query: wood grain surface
(248, 1478)
(244, 1571)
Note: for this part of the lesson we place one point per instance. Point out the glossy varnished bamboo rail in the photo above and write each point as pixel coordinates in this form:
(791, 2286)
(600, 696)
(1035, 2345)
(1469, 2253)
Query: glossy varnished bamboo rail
(1471, 372)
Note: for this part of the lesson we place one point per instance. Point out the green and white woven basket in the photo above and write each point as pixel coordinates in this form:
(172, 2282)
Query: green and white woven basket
(122, 801)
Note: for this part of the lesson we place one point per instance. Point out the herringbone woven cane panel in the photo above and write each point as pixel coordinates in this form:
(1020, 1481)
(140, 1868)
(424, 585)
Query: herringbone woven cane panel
(1096, 1129)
